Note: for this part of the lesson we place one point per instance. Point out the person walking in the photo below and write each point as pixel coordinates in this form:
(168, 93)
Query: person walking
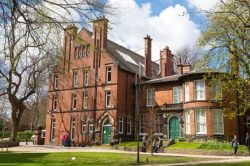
(144, 141)
(247, 143)
(235, 144)
(65, 140)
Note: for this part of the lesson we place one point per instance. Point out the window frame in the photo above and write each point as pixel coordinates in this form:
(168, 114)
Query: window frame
(142, 124)
(53, 129)
(187, 92)
(54, 103)
(120, 126)
(86, 77)
(83, 127)
(187, 123)
(216, 91)
(74, 101)
(204, 124)
(150, 97)
(107, 98)
(72, 128)
(75, 78)
(217, 123)
(200, 90)
(158, 123)
(85, 100)
(108, 74)
(91, 126)
(56, 79)
(179, 95)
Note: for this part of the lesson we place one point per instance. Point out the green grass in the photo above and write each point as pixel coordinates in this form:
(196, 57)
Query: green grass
(84, 158)
(226, 164)
(207, 146)
(130, 144)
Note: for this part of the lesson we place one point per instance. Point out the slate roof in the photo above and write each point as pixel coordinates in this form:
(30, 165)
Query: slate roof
(176, 77)
(129, 60)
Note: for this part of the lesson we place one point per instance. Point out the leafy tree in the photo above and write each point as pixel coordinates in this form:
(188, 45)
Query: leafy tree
(227, 39)
(30, 41)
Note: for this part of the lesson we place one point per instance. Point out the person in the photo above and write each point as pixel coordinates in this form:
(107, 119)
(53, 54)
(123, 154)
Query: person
(160, 142)
(34, 139)
(235, 144)
(65, 140)
(144, 140)
(155, 146)
(247, 143)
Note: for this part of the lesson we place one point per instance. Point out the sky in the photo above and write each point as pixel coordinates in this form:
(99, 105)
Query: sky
(173, 23)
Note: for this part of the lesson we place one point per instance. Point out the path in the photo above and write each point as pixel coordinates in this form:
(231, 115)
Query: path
(52, 148)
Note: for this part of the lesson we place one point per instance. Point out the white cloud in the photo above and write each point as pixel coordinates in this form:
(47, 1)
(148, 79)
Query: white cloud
(169, 28)
(203, 4)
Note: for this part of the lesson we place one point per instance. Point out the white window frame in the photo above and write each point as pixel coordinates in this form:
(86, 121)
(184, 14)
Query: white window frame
(200, 91)
(91, 126)
(74, 101)
(72, 128)
(53, 129)
(54, 103)
(199, 122)
(83, 127)
(56, 79)
(120, 125)
(75, 78)
(217, 123)
(107, 98)
(129, 126)
(177, 94)
(86, 77)
(150, 97)
(216, 90)
(187, 92)
(108, 74)
(85, 100)
(187, 123)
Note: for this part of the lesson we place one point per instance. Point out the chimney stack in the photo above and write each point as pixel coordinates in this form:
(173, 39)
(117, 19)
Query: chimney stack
(166, 62)
(147, 60)
(100, 29)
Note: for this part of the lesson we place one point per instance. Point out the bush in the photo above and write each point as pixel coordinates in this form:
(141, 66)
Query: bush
(25, 135)
(181, 139)
(4, 134)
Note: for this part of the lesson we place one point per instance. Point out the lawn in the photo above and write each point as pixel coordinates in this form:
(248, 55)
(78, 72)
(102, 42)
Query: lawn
(226, 164)
(84, 158)
(221, 146)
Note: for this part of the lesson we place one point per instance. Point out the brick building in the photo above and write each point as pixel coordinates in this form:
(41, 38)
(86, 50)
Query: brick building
(92, 89)
(92, 93)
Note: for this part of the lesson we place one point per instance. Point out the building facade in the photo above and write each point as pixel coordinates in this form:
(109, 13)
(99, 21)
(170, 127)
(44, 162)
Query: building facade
(95, 84)
(92, 88)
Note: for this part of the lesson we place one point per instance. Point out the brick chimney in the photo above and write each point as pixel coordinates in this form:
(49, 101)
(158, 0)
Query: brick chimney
(183, 68)
(166, 62)
(100, 29)
(147, 60)
(70, 33)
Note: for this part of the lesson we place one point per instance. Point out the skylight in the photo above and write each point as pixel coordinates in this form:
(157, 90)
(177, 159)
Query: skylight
(127, 58)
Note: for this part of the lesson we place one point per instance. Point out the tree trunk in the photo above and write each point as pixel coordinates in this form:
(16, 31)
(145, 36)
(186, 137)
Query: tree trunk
(17, 112)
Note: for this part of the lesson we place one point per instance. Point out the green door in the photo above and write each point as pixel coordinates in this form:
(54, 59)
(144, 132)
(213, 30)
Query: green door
(174, 128)
(106, 134)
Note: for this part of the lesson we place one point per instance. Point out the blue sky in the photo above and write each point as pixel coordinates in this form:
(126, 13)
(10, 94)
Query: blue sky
(173, 23)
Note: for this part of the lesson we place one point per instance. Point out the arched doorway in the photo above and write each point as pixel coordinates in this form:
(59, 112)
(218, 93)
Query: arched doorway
(174, 127)
(106, 132)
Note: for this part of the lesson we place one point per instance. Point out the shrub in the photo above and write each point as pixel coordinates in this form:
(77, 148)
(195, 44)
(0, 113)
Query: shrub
(25, 135)
(181, 139)
(4, 134)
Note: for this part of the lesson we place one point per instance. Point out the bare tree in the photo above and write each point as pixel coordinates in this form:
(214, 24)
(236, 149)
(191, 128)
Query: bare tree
(29, 44)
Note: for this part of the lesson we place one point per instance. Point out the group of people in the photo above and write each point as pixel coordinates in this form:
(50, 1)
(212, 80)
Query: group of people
(235, 143)
(157, 143)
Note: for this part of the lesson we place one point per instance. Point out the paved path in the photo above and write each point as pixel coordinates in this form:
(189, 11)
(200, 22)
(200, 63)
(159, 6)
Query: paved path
(51, 148)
